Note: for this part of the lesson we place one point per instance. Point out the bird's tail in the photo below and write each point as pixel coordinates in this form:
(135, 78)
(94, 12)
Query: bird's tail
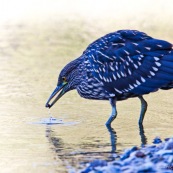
(168, 86)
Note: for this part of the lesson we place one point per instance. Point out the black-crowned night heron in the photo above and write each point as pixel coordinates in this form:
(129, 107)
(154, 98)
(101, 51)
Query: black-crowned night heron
(118, 66)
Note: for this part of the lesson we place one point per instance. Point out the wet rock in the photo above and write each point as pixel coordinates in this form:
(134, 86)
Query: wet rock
(157, 159)
(128, 169)
(96, 163)
(167, 139)
(169, 145)
(94, 166)
(117, 163)
(170, 160)
(164, 152)
(170, 167)
(112, 169)
(140, 154)
(152, 158)
(157, 140)
(128, 152)
(146, 167)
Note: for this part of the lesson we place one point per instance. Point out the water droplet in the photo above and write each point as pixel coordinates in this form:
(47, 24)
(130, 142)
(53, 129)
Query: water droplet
(49, 113)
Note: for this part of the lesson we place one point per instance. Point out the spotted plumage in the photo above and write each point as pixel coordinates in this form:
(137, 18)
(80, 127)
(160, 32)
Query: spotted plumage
(120, 65)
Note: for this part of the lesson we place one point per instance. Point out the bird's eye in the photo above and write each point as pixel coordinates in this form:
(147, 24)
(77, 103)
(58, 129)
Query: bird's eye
(64, 79)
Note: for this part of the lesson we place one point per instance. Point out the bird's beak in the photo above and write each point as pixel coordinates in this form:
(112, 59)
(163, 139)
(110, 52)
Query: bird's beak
(61, 88)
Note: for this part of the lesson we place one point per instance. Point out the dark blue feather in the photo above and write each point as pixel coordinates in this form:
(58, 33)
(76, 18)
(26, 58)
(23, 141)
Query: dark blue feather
(129, 61)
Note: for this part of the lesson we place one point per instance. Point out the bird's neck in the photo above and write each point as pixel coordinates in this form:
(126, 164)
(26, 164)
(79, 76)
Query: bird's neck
(77, 72)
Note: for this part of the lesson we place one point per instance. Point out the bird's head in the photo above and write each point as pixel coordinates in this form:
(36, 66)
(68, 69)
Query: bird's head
(68, 80)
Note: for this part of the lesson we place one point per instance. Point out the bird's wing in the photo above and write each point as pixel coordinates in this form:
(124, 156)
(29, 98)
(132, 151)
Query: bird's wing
(129, 61)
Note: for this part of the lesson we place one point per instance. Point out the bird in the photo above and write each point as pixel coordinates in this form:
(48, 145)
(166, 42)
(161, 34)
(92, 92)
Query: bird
(120, 65)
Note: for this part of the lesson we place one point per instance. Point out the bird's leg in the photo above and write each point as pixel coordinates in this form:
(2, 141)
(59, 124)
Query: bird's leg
(114, 111)
(143, 109)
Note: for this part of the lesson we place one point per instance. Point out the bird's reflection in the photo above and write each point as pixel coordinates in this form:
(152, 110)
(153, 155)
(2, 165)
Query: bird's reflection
(57, 143)
(142, 135)
(113, 137)
(75, 159)
(64, 154)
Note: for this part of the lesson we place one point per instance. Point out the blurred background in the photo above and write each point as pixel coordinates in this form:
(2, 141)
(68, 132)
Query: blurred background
(37, 39)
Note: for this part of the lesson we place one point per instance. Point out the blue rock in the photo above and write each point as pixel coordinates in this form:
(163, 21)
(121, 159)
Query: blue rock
(140, 154)
(167, 139)
(169, 145)
(112, 169)
(128, 152)
(87, 170)
(157, 140)
(165, 152)
(96, 163)
(147, 167)
(150, 158)
(117, 163)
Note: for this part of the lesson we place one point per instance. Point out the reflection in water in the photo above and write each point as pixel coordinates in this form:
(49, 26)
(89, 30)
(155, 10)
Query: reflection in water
(142, 134)
(113, 138)
(72, 157)
(55, 141)
(75, 158)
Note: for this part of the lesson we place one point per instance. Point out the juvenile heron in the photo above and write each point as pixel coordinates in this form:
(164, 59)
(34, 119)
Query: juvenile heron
(118, 66)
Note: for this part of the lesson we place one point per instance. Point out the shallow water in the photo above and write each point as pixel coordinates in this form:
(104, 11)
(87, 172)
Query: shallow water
(30, 62)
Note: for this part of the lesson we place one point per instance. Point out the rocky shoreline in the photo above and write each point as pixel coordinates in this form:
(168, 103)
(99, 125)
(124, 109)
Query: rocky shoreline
(157, 157)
